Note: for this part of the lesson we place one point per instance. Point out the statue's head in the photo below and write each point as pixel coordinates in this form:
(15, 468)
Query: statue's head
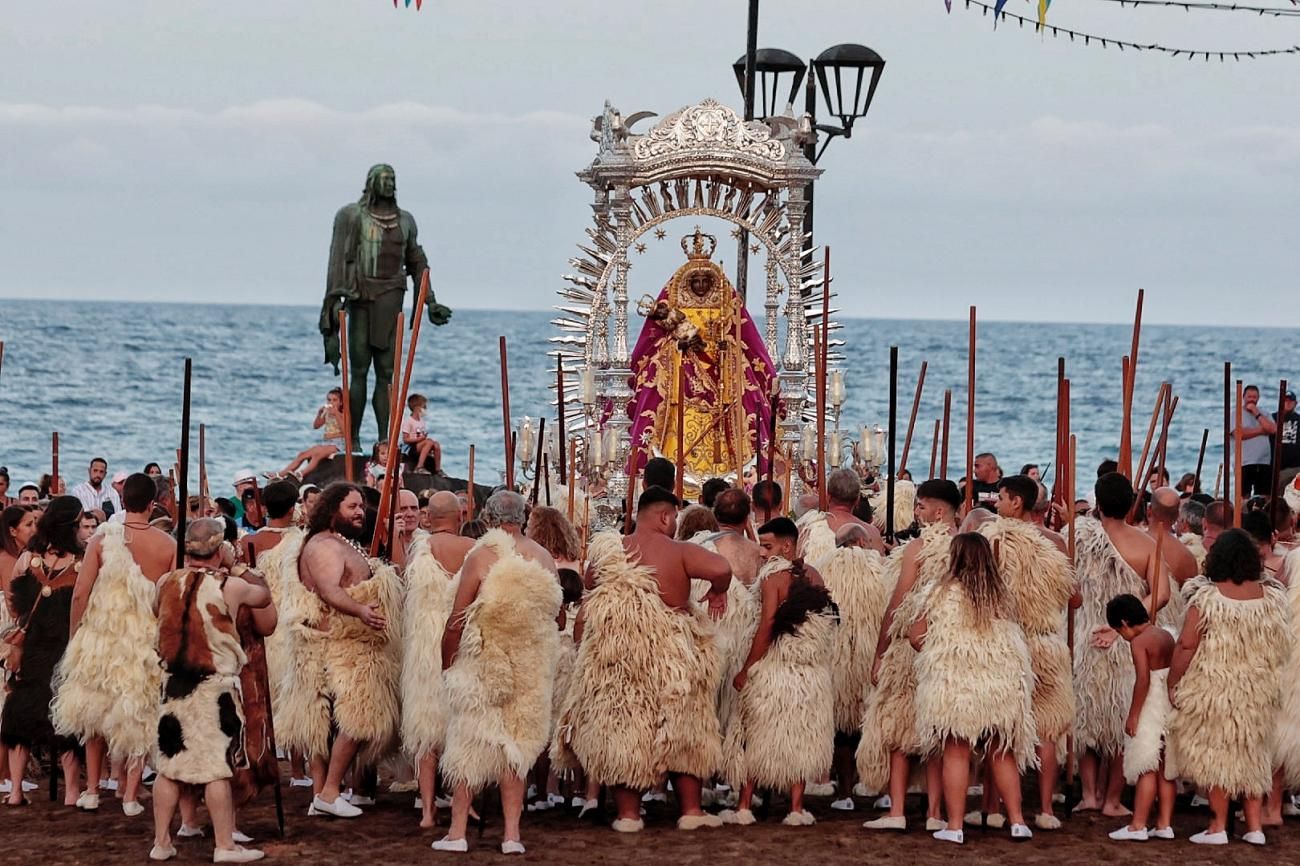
(381, 182)
(700, 283)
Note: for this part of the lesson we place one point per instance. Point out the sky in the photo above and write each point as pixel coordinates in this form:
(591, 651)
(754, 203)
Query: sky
(156, 150)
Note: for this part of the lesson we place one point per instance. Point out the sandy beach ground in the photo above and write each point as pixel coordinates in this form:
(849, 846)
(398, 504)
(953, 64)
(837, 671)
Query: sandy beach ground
(387, 834)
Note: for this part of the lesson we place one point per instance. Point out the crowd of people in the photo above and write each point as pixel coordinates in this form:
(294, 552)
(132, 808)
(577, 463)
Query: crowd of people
(739, 648)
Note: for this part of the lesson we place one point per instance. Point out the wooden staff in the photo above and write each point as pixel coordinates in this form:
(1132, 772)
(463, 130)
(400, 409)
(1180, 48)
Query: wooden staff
(1218, 479)
(2, 355)
(911, 423)
(821, 424)
(970, 415)
(537, 471)
(1069, 619)
(1236, 464)
(679, 482)
(347, 397)
(947, 427)
(573, 475)
(1125, 455)
(934, 449)
(1126, 431)
(203, 462)
(393, 461)
(893, 428)
(774, 402)
(586, 523)
(505, 416)
(1274, 486)
(183, 467)
(1200, 460)
(740, 431)
(415, 337)
(473, 498)
(171, 494)
(1139, 481)
(1157, 574)
(54, 464)
(631, 498)
(563, 428)
(1227, 433)
(1058, 481)
(1164, 436)
(785, 491)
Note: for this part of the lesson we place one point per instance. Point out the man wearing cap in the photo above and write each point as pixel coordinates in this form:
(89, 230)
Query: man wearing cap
(246, 495)
(1290, 422)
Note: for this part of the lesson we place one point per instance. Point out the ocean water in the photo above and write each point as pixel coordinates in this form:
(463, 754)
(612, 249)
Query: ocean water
(108, 378)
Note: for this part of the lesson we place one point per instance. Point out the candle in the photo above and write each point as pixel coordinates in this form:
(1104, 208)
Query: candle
(836, 388)
(808, 442)
(588, 387)
(524, 445)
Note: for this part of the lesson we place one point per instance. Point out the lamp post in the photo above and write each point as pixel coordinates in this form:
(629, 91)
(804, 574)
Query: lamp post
(848, 75)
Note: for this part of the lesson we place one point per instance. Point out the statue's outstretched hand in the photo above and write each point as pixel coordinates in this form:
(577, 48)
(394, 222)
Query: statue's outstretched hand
(439, 314)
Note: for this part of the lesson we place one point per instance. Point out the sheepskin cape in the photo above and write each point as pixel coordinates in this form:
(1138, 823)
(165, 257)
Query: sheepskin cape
(861, 584)
(279, 567)
(106, 684)
(787, 704)
(344, 673)
(499, 688)
(1196, 545)
(1039, 581)
(430, 591)
(1288, 721)
(1103, 679)
(904, 505)
(889, 719)
(816, 538)
(973, 680)
(1143, 751)
(642, 700)
(1226, 705)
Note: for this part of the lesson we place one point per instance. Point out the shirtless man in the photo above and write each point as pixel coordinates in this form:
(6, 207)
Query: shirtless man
(843, 491)
(408, 521)
(331, 562)
(504, 510)
(937, 502)
(1162, 515)
(1136, 548)
(777, 540)
(449, 549)
(732, 509)
(154, 551)
(675, 565)
(278, 498)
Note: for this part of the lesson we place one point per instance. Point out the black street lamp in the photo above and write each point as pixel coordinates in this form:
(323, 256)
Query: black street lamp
(841, 70)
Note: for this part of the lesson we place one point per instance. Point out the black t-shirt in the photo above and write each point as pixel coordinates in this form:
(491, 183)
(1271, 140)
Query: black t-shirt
(985, 494)
(1290, 440)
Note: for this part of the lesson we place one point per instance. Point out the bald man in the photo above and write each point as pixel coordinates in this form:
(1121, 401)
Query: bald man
(408, 521)
(435, 560)
(732, 509)
(1162, 516)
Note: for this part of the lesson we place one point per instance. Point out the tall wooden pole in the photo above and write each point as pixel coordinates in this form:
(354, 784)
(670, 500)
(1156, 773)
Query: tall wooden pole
(418, 317)
(1274, 486)
(774, 403)
(203, 464)
(631, 498)
(679, 481)
(573, 475)
(1126, 435)
(1164, 436)
(947, 428)
(393, 462)
(183, 467)
(970, 415)
(1139, 480)
(347, 398)
(505, 415)
(54, 464)
(537, 472)
(893, 433)
(1200, 460)
(1125, 456)
(1058, 479)
(1236, 463)
(911, 423)
(822, 502)
(1069, 617)
(934, 450)
(1227, 432)
(562, 433)
(469, 487)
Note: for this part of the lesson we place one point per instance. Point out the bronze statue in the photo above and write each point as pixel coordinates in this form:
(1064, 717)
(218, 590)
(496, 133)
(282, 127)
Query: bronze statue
(372, 254)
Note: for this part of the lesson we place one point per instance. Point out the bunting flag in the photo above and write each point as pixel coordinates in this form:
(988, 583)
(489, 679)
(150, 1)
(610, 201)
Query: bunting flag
(418, 4)
(1043, 6)
(1108, 42)
(1206, 5)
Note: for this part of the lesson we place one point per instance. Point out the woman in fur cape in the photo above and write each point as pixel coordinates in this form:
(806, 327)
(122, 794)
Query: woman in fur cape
(1225, 683)
(642, 701)
(344, 674)
(786, 699)
(1287, 759)
(279, 566)
(499, 653)
(974, 682)
(889, 733)
(106, 686)
(1039, 583)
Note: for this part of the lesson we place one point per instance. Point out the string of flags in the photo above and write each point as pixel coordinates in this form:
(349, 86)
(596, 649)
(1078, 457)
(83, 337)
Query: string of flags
(1186, 6)
(1040, 26)
(418, 4)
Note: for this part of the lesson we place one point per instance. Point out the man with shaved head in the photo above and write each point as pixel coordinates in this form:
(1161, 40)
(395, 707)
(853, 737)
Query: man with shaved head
(1162, 515)
(408, 521)
(732, 509)
(431, 568)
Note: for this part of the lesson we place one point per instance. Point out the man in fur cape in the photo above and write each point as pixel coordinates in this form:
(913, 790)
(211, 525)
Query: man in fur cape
(106, 686)
(1040, 584)
(642, 700)
(860, 582)
(433, 562)
(889, 730)
(1162, 516)
(342, 620)
(1111, 558)
(499, 651)
(817, 529)
(786, 698)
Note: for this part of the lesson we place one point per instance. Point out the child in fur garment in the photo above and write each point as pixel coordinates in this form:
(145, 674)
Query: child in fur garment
(1148, 718)
(973, 683)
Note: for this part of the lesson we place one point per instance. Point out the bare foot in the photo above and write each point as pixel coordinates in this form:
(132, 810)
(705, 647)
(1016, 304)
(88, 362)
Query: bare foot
(1271, 821)
(429, 820)
(1086, 805)
(1116, 810)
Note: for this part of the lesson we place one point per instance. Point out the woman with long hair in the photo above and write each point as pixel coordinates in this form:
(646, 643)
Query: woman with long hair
(974, 683)
(40, 601)
(17, 525)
